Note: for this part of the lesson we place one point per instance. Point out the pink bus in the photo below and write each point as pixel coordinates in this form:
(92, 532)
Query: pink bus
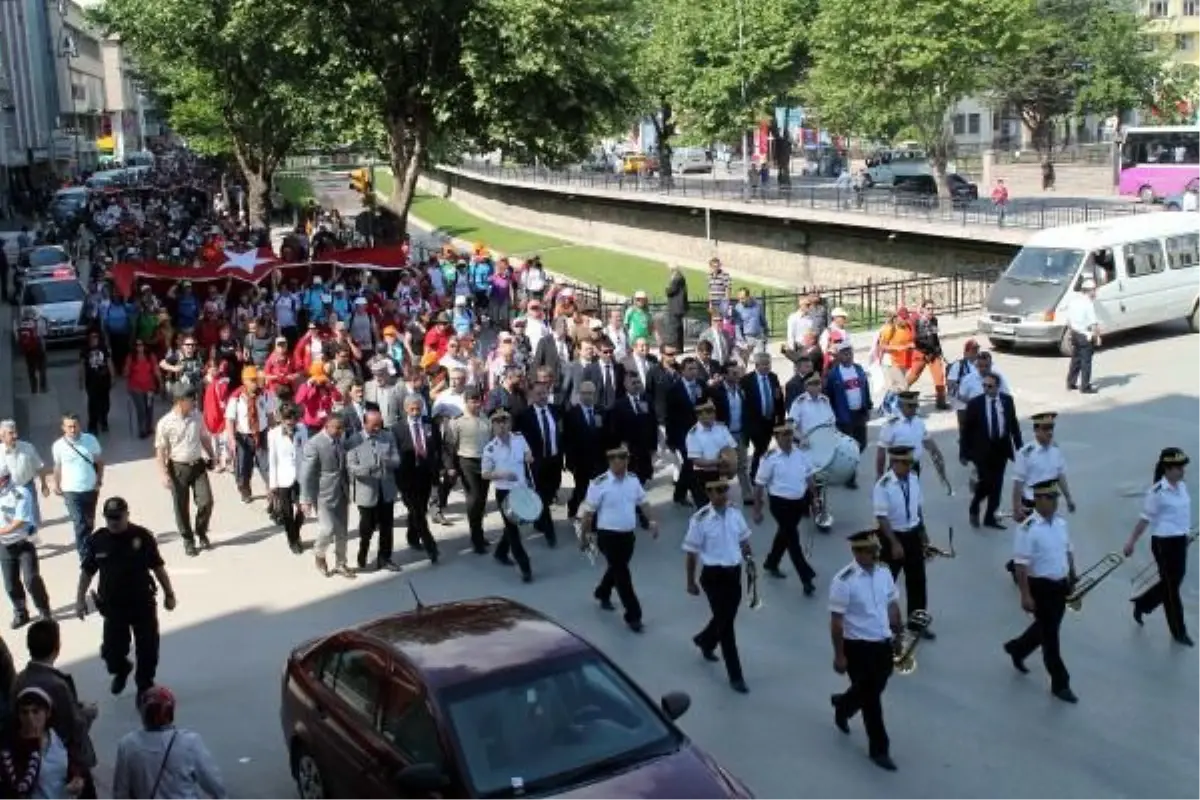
(1159, 162)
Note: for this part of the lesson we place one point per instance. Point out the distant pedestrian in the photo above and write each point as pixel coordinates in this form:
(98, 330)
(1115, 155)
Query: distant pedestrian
(325, 493)
(1000, 201)
(677, 308)
(184, 451)
(1047, 176)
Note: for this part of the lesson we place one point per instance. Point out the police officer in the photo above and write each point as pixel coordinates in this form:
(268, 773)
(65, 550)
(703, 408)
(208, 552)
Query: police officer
(610, 508)
(704, 444)
(1045, 569)
(718, 538)
(126, 556)
(1040, 460)
(897, 504)
(864, 619)
(785, 476)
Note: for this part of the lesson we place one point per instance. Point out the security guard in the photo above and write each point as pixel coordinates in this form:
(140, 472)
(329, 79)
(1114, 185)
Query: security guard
(719, 539)
(786, 478)
(610, 508)
(126, 556)
(864, 611)
(908, 429)
(704, 444)
(897, 503)
(1045, 569)
(1040, 460)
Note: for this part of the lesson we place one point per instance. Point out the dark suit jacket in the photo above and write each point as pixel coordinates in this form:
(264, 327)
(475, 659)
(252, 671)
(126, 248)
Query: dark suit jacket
(681, 412)
(977, 443)
(546, 355)
(584, 445)
(527, 425)
(500, 397)
(604, 399)
(630, 365)
(568, 384)
(414, 471)
(677, 297)
(638, 431)
(720, 398)
(757, 427)
(661, 380)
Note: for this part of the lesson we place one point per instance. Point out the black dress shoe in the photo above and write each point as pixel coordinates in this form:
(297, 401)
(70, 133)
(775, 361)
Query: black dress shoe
(1066, 695)
(748, 502)
(994, 524)
(204, 543)
(296, 547)
(480, 549)
(839, 719)
(739, 686)
(117, 685)
(1185, 640)
(189, 549)
(20, 620)
(1089, 390)
(852, 483)
(605, 603)
(974, 517)
(1017, 662)
(1071, 387)
(505, 560)
(884, 761)
(775, 572)
(636, 625)
(1137, 615)
(434, 555)
(708, 654)
(809, 588)
(526, 577)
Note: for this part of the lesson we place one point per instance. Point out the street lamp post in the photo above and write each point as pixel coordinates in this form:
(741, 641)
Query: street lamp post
(742, 72)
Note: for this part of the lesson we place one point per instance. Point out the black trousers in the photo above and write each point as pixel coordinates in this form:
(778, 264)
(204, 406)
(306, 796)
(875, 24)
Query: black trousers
(868, 666)
(35, 366)
(912, 565)
(787, 514)
(683, 486)
(723, 588)
(379, 517)
(99, 401)
(21, 570)
(188, 480)
(641, 463)
(445, 483)
(511, 541)
(761, 445)
(286, 505)
(988, 489)
(547, 476)
(582, 477)
(617, 549)
(856, 428)
(1082, 350)
(123, 625)
(1049, 603)
(674, 335)
(415, 494)
(700, 478)
(477, 491)
(1170, 553)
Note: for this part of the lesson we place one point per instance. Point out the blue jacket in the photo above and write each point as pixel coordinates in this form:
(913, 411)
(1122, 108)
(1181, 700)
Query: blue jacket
(835, 390)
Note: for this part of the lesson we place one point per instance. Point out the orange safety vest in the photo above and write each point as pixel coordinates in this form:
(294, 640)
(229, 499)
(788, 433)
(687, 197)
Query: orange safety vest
(898, 335)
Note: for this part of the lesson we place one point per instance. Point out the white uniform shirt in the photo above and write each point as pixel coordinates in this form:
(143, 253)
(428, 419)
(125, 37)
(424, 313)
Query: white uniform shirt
(971, 386)
(1168, 509)
(957, 374)
(808, 413)
(907, 432)
(716, 537)
(862, 597)
(283, 456)
(1081, 313)
(238, 412)
(614, 501)
(903, 512)
(1035, 464)
(1042, 546)
(501, 456)
(707, 443)
(785, 474)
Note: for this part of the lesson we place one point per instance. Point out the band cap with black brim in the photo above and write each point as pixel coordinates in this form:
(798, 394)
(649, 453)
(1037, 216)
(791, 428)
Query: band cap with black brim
(864, 540)
(717, 485)
(1177, 458)
(813, 380)
(706, 407)
(1044, 418)
(618, 452)
(500, 414)
(901, 453)
(910, 398)
(1046, 489)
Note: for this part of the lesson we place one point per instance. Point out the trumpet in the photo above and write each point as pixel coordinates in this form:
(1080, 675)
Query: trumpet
(752, 584)
(939, 466)
(1147, 577)
(904, 659)
(933, 551)
(588, 545)
(1090, 578)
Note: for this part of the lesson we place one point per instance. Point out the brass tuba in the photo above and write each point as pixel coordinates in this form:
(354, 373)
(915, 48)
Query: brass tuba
(1090, 578)
(932, 551)
(904, 659)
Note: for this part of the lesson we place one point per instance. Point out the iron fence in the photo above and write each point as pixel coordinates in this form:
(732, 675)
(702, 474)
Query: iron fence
(878, 203)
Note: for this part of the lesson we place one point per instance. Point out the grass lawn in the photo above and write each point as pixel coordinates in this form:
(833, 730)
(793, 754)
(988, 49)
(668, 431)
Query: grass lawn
(295, 189)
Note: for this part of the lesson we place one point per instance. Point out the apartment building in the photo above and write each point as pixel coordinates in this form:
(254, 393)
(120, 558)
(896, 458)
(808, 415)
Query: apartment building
(1177, 24)
(79, 90)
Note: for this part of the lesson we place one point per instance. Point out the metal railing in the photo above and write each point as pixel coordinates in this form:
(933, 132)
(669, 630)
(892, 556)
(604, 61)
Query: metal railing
(879, 202)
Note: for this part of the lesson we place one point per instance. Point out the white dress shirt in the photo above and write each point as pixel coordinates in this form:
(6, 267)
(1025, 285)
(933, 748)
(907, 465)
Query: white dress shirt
(283, 456)
(956, 374)
(535, 329)
(1035, 464)
(785, 474)
(614, 501)
(854, 387)
(798, 324)
(862, 597)
(971, 386)
(716, 536)
(238, 412)
(902, 511)
(707, 443)
(1042, 545)
(1081, 314)
(906, 432)
(642, 367)
(809, 413)
(1168, 509)
(735, 398)
(502, 456)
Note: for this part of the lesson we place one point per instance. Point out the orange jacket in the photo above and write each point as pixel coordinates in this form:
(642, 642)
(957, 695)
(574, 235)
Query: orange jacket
(898, 338)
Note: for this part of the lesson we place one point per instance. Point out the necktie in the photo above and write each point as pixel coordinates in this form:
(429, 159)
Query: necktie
(608, 381)
(641, 365)
(995, 418)
(634, 402)
(546, 431)
(907, 498)
(252, 414)
(764, 389)
(418, 439)
(587, 412)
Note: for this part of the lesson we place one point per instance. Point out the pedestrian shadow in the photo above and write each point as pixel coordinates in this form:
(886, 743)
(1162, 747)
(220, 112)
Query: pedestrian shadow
(1113, 381)
(249, 537)
(48, 551)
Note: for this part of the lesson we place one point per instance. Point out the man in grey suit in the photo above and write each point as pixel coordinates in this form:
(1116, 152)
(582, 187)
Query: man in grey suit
(324, 486)
(372, 461)
(385, 392)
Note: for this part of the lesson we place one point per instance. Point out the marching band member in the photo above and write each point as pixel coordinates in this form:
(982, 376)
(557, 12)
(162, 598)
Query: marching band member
(505, 462)
(1040, 460)
(704, 443)
(908, 429)
(864, 618)
(786, 477)
(897, 502)
(611, 510)
(1167, 513)
(811, 410)
(1045, 567)
(719, 539)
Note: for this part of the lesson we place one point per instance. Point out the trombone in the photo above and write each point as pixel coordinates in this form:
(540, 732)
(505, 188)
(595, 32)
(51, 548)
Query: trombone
(1147, 577)
(933, 551)
(1090, 578)
(904, 658)
(752, 584)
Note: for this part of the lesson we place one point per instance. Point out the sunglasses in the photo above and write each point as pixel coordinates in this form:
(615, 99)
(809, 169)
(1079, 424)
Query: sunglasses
(722, 490)
(1043, 427)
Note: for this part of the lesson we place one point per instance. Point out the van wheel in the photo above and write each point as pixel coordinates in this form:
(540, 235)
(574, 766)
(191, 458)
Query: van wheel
(1194, 319)
(1146, 194)
(1000, 345)
(1065, 346)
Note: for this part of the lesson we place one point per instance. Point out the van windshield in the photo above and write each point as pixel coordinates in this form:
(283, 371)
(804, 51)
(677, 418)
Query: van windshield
(1044, 265)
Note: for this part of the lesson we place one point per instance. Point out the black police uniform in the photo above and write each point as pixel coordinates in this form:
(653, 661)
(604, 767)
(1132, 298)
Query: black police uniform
(125, 598)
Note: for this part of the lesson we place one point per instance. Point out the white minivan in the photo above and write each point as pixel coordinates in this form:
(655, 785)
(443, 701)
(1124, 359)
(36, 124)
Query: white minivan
(1146, 268)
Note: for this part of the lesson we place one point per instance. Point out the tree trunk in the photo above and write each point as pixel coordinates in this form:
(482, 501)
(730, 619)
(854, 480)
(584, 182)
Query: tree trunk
(258, 191)
(407, 141)
(781, 151)
(664, 129)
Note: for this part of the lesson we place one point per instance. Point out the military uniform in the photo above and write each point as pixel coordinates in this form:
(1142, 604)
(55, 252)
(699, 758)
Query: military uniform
(612, 503)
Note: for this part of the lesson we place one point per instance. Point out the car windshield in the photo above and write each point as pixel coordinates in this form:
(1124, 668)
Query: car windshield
(48, 292)
(1044, 265)
(543, 728)
(48, 257)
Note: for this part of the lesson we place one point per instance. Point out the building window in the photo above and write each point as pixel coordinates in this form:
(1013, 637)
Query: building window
(1184, 42)
(995, 122)
(960, 124)
(1158, 9)
(1191, 8)
(78, 92)
(973, 124)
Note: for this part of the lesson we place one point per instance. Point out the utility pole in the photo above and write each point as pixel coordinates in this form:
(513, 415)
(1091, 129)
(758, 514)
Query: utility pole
(741, 18)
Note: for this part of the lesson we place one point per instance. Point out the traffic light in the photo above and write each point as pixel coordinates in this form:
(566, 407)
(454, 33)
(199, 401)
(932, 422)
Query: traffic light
(359, 181)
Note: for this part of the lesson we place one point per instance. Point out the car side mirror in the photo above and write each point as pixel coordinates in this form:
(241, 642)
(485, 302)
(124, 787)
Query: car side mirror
(421, 779)
(675, 704)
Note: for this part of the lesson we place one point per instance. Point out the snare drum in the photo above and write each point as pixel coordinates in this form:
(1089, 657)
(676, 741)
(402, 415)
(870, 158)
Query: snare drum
(522, 506)
(833, 454)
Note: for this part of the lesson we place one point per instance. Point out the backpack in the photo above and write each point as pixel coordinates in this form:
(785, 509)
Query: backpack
(28, 339)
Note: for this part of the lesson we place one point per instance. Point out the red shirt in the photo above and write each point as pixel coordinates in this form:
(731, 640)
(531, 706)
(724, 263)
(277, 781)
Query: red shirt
(316, 400)
(216, 395)
(437, 340)
(278, 369)
(141, 374)
(208, 331)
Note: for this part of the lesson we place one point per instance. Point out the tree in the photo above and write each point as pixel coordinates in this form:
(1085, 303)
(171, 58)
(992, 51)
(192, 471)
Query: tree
(1122, 60)
(910, 58)
(534, 78)
(662, 70)
(233, 74)
(1176, 95)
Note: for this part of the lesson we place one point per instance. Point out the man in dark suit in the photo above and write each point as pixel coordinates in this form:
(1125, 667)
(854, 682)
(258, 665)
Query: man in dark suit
(991, 438)
(677, 308)
(509, 394)
(420, 445)
(764, 408)
(681, 401)
(606, 375)
(572, 374)
(584, 443)
(640, 362)
(659, 380)
(541, 427)
(554, 351)
(633, 423)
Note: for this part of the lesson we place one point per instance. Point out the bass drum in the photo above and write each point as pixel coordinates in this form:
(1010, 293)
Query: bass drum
(833, 455)
(522, 506)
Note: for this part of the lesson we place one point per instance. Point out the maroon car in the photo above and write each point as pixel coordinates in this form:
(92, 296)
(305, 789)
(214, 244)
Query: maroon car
(481, 698)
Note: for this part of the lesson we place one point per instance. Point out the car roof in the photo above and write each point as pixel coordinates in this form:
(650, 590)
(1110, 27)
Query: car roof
(452, 643)
(1112, 232)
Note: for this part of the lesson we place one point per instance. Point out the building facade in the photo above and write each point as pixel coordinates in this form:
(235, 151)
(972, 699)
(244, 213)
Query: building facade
(1177, 25)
